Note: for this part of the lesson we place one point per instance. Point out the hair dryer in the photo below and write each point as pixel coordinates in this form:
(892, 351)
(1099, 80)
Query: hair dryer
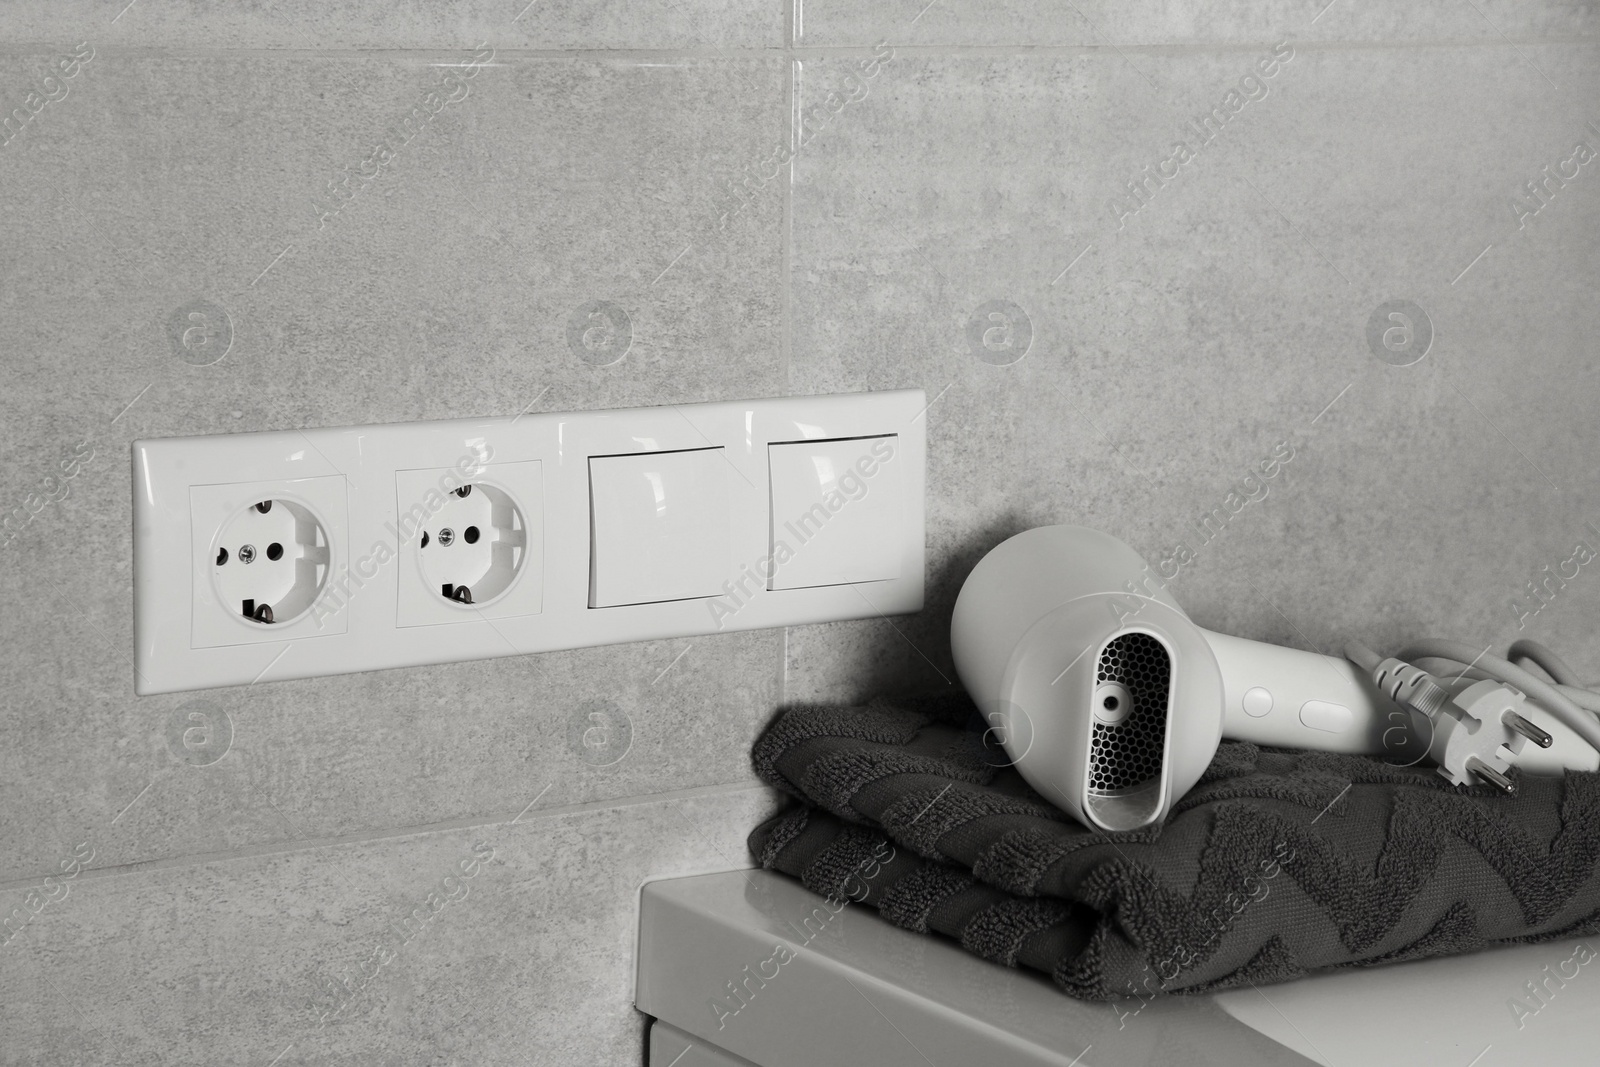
(1111, 702)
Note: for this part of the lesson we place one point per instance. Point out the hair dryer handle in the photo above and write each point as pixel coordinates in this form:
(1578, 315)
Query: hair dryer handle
(1287, 698)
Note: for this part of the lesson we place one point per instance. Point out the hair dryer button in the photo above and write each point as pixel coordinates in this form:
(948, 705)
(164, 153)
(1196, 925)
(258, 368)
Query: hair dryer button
(1256, 702)
(1325, 716)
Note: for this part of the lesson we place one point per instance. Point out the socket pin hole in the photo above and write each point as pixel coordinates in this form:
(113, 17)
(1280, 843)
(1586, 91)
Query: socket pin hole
(465, 490)
(1110, 703)
(424, 539)
(470, 534)
(267, 528)
(462, 594)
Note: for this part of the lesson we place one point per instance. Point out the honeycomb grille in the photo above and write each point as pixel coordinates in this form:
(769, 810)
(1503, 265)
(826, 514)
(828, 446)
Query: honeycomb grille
(1128, 754)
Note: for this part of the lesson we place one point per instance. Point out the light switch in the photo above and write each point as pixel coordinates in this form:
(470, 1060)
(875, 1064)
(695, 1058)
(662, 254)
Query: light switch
(659, 527)
(578, 529)
(837, 511)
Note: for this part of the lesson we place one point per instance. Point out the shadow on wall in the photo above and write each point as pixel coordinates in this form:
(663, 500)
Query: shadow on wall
(922, 665)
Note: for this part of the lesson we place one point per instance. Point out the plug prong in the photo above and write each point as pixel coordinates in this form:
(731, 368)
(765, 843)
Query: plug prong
(1476, 766)
(1516, 722)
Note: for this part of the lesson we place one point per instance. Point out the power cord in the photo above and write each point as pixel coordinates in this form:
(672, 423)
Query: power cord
(1477, 715)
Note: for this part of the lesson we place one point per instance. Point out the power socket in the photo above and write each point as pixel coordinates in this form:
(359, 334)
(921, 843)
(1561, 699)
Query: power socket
(264, 553)
(472, 543)
(369, 554)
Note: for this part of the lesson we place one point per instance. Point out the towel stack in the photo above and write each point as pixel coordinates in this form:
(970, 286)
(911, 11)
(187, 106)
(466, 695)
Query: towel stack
(1275, 864)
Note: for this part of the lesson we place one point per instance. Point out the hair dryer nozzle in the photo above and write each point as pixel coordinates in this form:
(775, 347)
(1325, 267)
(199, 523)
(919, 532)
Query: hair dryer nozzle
(1080, 664)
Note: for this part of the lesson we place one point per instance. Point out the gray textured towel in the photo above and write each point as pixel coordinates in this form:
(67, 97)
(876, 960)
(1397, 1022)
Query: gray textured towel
(1277, 863)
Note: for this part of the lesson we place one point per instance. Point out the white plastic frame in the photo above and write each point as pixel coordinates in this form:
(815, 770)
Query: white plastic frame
(356, 628)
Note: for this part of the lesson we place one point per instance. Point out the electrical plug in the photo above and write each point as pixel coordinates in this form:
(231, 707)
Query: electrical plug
(1478, 732)
(1477, 729)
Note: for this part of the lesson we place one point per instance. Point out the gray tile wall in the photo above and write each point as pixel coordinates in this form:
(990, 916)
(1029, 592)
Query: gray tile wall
(953, 160)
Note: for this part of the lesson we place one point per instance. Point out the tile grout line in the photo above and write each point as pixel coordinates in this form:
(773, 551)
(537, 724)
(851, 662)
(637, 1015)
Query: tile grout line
(1186, 48)
(790, 133)
(311, 844)
(786, 242)
(793, 51)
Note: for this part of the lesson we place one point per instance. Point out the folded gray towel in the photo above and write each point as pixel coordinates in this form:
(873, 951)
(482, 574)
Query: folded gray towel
(1275, 864)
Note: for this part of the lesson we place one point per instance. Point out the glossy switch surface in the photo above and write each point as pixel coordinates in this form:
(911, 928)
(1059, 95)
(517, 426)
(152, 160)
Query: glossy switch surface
(837, 511)
(660, 526)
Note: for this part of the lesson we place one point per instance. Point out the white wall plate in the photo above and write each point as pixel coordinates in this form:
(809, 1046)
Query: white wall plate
(673, 521)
